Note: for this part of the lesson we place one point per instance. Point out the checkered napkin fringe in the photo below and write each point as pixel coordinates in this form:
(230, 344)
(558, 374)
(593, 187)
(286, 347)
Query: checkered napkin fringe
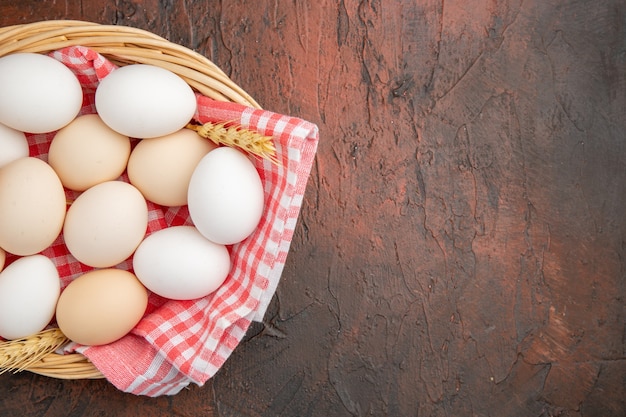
(183, 342)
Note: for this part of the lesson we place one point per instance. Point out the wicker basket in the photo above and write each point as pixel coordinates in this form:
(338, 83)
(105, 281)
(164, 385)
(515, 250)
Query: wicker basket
(121, 45)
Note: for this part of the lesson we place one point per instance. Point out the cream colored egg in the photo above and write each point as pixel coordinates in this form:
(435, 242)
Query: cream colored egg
(39, 94)
(3, 258)
(101, 306)
(13, 145)
(105, 224)
(145, 101)
(161, 167)
(29, 290)
(32, 206)
(87, 152)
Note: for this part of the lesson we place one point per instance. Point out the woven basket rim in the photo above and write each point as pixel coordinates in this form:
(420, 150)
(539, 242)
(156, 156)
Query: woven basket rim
(121, 45)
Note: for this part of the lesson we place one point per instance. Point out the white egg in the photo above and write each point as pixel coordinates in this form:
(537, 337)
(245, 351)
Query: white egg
(29, 290)
(180, 264)
(39, 94)
(13, 145)
(225, 196)
(145, 101)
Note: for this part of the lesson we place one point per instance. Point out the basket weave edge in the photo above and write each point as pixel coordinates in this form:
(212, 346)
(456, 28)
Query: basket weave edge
(47, 36)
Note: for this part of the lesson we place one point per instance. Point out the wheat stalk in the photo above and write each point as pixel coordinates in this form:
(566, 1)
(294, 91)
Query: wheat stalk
(235, 135)
(17, 355)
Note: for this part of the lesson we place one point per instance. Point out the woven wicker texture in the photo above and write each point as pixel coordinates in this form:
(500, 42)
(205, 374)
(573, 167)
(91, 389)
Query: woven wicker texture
(121, 45)
(124, 45)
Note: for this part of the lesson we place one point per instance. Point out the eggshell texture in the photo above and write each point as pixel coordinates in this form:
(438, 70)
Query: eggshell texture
(145, 101)
(87, 152)
(225, 196)
(32, 206)
(105, 224)
(13, 145)
(29, 290)
(161, 167)
(181, 264)
(101, 306)
(39, 94)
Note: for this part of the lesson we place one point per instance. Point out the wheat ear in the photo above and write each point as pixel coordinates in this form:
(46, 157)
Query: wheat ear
(17, 355)
(235, 135)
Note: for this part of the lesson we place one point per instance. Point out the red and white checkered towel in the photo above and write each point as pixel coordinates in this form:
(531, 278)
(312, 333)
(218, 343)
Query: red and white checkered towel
(183, 342)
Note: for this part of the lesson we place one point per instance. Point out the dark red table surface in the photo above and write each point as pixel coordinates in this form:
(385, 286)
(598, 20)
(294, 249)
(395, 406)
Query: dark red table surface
(461, 249)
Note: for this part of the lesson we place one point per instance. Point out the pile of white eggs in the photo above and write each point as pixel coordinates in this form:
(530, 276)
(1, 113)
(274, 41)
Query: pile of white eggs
(135, 153)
